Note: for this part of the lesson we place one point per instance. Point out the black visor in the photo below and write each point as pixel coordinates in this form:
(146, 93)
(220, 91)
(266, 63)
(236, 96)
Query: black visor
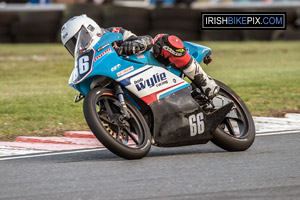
(70, 45)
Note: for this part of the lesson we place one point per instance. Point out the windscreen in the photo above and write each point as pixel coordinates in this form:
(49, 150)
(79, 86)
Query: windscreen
(83, 41)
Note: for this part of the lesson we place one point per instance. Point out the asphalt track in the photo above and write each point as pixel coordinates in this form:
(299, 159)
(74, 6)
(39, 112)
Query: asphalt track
(270, 169)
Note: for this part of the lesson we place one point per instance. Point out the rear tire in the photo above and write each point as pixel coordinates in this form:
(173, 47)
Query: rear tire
(235, 134)
(129, 138)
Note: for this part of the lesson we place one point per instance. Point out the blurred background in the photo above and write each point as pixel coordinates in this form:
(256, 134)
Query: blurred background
(39, 21)
(260, 65)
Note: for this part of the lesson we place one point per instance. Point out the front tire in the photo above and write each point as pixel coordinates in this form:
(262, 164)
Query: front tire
(238, 133)
(127, 138)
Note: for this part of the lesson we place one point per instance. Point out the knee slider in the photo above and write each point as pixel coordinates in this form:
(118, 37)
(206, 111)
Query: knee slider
(168, 45)
(175, 46)
(175, 42)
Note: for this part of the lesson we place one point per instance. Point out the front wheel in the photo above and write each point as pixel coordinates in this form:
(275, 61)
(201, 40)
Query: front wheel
(237, 131)
(127, 138)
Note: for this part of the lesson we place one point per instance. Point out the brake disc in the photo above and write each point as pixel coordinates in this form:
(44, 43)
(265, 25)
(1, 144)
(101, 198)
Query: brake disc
(112, 132)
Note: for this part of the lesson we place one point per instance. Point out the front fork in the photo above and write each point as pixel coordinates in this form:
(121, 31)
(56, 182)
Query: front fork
(123, 106)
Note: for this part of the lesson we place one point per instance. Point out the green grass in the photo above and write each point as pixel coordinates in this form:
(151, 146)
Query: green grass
(265, 74)
(35, 98)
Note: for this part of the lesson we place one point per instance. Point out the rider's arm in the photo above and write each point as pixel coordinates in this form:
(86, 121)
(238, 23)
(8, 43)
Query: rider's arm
(132, 44)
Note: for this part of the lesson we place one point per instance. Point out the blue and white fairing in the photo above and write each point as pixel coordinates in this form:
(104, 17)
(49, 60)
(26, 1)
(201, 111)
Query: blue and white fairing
(141, 74)
(151, 83)
(177, 119)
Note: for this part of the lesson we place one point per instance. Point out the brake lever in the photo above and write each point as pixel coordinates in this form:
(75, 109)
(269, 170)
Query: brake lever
(207, 60)
(117, 48)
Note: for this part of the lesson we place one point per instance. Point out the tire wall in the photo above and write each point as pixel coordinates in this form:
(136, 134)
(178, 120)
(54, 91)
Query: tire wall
(44, 26)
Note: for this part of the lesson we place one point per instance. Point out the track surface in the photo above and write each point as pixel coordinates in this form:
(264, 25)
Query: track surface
(270, 169)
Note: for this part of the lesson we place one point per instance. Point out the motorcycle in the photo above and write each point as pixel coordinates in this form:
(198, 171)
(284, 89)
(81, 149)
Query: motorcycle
(133, 102)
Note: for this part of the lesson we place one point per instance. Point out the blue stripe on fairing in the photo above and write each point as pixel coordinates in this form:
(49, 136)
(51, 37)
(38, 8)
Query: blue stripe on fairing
(126, 81)
(175, 90)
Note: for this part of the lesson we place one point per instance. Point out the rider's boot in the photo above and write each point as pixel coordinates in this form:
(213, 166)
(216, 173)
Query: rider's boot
(195, 72)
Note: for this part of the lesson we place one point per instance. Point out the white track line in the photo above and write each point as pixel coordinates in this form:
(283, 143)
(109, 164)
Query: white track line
(101, 149)
(51, 154)
(278, 133)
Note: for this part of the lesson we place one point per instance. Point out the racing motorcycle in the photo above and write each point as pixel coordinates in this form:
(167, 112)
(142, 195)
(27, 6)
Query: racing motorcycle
(133, 102)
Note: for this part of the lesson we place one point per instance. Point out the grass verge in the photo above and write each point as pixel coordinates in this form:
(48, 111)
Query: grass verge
(36, 99)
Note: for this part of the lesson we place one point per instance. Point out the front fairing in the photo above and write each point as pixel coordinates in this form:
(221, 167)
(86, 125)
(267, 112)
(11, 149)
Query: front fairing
(101, 60)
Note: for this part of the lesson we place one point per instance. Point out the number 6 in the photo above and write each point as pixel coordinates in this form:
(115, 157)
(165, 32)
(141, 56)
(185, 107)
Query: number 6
(83, 64)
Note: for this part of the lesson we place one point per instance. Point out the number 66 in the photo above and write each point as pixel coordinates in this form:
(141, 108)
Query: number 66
(196, 124)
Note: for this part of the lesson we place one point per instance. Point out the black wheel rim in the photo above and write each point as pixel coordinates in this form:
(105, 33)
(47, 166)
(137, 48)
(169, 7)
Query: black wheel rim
(237, 126)
(128, 132)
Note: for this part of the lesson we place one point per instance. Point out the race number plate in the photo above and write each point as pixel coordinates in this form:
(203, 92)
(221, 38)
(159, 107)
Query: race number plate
(196, 122)
(83, 67)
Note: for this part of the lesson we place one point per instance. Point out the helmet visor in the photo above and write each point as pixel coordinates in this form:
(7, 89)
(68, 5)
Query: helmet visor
(71, 43)
(82, 39)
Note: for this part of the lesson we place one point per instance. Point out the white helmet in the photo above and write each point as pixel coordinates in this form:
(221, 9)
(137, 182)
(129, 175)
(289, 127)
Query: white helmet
(71, 29)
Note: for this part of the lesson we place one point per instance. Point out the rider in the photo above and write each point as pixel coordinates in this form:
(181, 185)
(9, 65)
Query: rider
(167, 48)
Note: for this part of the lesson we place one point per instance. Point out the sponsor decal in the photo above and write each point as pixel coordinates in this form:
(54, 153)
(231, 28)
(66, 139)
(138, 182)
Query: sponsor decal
(114, 68)
(141, 56)
(125, 71)
(116, 30)
(172, 51)
(102, 54)
(103, 47)
(180, 50)
(156, 80)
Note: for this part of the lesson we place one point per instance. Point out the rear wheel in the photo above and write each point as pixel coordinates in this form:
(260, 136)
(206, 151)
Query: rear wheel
(127, 138)
(237, 131)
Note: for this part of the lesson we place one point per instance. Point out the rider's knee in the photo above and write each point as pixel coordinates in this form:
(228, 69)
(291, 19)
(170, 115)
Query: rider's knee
(171, 47)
